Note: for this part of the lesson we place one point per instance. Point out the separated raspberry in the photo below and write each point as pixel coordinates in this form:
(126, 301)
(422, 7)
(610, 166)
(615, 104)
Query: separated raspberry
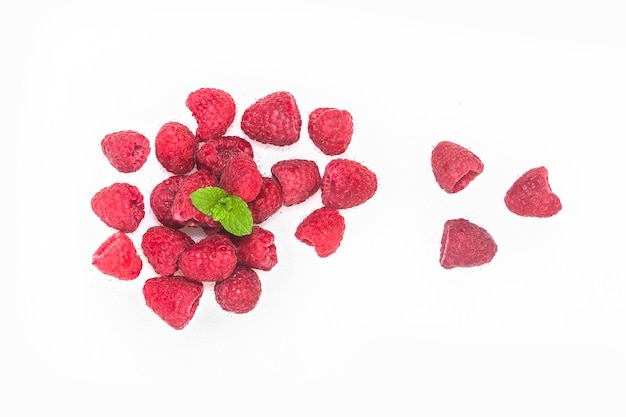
(174, 299)
(454, 166)
(241, 177)
(531, 195)
(330, 130)
(163, 246)
(211, 259)
(347, 183)
(257, 250)
(299, 179)
(214, 111)
(465, 244)
(214, 153)
(267, 202)
(162, 200)
(240, 292)
(126, 150)
(175, 148)
(118, 257)
(274, 119)
(323, 229)
(183, 209)
(119, 206)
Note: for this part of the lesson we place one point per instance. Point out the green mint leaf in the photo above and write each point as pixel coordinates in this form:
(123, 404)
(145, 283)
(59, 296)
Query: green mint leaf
(234, 215)
(204, 199)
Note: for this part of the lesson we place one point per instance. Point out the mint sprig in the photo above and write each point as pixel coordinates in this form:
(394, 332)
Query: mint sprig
(230, 210)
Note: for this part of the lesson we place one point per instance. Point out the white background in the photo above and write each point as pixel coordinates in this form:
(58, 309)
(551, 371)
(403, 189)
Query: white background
(379, 326)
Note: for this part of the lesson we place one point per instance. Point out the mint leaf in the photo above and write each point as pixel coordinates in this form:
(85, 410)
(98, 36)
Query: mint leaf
(204, 199)
(234, 215)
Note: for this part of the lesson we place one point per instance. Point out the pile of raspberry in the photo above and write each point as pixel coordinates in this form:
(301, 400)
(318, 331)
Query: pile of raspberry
(466, 244)
(222, 262)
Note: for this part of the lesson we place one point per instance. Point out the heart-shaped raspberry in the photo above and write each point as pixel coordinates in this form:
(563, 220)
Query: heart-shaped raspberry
(531, 195)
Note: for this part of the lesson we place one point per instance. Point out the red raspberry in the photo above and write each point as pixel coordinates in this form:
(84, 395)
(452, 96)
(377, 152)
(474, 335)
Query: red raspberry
(211, 259)
(162, 247)
(241, 177)
(299, 179)
(240, 292)
(213, 109)
(531, 195)
(183, 209)
(174, 299)
(162, 200)
(119, 206)
(323, 229)
(256, 250)
(214, 153)
(465, 244)
(118, 257)
(347, 184)
(126, 150)
(274, 119)
(267, 202)
(175, 148)
(454, 166)
(330, 130)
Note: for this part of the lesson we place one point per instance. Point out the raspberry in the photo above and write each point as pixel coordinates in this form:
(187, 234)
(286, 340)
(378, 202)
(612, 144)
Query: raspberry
(174, 299)
(175, 148)
(454, 166)
(240, 292)
(347, 184)
(162, 247)
(256, 250)
(330, 130)
(267, 202)
(183, 209)
(274, 119)
(214, 111)
(118, 257)
(126, 150)
(162, 199)
(211, 259)
(214, 153)
(119, 206)
(531, 195)
(323, 229)
(299, 179)
(241, 177)
(465, 244)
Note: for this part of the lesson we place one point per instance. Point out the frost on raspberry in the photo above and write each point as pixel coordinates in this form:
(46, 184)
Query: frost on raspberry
(531, 195)
(465, 244)
(126, 150)
(120, 206)
(240, 292)
(117, 257)
(323, 229)
(174, 299)
(454, 166)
